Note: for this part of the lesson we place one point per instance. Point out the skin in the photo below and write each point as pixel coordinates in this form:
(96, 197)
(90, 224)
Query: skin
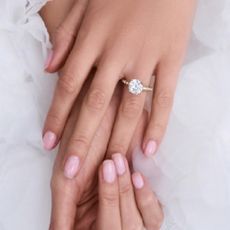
(138, 38)
(118, 46)
(76, 203)
(126, 203)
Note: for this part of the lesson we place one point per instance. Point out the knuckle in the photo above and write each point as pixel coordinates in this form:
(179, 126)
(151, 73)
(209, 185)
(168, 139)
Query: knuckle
(117, 148)
(54, 119)
(79, 142)
(56, 184)
(96, 99)
(135, 225)
(59, 186)
(158, 129)
(131, 108)
(109, 199)
(164, 99)
(67, 83)
(146, 201)
(125, 189)
(63, 32)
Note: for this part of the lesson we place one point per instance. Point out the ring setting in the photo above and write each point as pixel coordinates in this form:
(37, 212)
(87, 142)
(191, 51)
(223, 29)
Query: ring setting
(135, 86)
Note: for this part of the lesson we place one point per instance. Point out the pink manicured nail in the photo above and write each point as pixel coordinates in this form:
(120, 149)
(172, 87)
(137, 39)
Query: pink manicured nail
(49, 59)
(138, 181)
(109, 171)
(71, 167)
(119, 163)
(150, 148)
(49, 140)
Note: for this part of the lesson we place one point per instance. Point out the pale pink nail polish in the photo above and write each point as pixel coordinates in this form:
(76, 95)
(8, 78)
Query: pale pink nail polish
(138, 181)
(109, 171)
(49, 140)
(150, 148)
(48, 59)
(119, 163)
(71, 167)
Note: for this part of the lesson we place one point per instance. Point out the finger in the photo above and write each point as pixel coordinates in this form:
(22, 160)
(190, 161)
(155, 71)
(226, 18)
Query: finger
(68, 86)
(66, 194)
(129, 113)
(65, 35)
(93, 109)
(64, 199)
(164, 89)
(147, 203)
(108, 213)
(130, 217)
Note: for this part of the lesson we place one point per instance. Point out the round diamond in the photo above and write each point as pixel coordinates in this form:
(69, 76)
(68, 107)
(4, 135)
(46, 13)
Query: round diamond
(135, 86)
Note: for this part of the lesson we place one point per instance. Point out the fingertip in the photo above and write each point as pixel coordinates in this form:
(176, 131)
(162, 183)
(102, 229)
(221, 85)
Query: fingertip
(72, 167)
(49, 140)
(120, 163)
(53, 62)
(109, 171)
(150, 148)
(138, 180)
(49, 60)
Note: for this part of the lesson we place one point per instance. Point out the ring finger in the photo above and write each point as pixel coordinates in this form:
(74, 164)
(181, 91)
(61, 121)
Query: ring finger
(130, 110)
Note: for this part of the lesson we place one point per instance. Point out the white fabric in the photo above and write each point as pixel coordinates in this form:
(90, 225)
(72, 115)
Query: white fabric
(191, 172)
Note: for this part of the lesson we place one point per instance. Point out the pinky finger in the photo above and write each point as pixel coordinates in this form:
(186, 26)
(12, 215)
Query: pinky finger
(147, 203)
(164, 90)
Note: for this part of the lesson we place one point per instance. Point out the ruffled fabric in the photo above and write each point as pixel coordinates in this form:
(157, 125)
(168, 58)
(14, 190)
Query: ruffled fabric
(190, 173)
(25, 93)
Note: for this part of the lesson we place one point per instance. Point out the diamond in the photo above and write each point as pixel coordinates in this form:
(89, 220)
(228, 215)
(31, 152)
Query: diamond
(135, 87)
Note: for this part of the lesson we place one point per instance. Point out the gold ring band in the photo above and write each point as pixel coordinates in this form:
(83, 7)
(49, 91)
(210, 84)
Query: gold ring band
(135, 86)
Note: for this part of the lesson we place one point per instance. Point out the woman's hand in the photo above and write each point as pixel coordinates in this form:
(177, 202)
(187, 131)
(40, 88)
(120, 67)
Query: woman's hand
(70, 198)
(77, 200)
(122, 38)
(124, 206)
(119, 204)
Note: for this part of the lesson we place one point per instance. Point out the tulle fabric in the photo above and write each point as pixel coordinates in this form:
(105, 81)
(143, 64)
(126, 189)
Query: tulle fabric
(190, 173)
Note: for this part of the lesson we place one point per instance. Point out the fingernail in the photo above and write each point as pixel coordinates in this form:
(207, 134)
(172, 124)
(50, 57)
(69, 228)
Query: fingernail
(138, 181)
(49, 140)
(49, 59)
(119, 163)
(71, 167)
(150, 148)
(109, 172)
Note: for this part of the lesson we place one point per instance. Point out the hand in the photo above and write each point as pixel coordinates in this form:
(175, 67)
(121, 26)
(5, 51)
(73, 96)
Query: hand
(120, 204)
(121, 38)
(69, 197)
(77, 199)
(123, 206)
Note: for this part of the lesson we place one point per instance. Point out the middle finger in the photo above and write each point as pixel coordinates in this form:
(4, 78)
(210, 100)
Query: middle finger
(93, 109)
